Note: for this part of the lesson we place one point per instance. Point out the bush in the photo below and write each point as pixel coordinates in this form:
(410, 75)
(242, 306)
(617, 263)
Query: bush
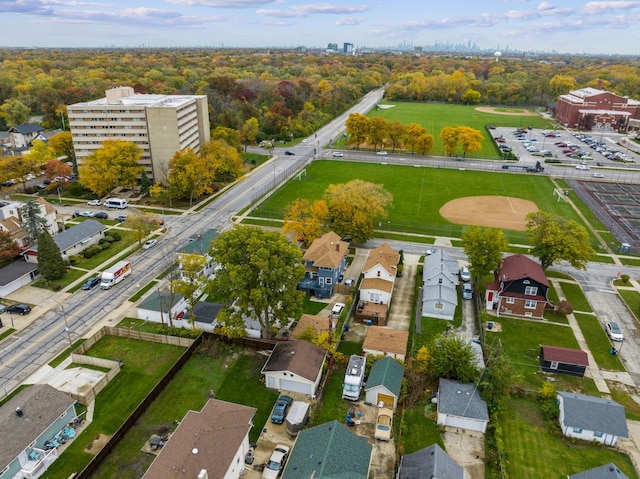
(564, 307)
(56, 287)
(108, 239)
(91, 251)
(625, 278)
(76, 189)
(115, 235)
(75, 259)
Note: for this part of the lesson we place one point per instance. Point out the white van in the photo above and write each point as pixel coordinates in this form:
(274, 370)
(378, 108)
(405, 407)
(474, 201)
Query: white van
(115, 203)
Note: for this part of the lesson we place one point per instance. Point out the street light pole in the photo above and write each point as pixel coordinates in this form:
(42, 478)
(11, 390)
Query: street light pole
(66, 326)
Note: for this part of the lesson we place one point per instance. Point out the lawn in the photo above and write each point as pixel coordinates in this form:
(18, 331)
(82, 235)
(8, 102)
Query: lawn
(419, 193)
(574, 294)
(419, 428)
(435, 116)
(536, 449)
(598, 342)
(242, 385)
(312, 307)
(632, 298)
(189, 390)
(144, 364)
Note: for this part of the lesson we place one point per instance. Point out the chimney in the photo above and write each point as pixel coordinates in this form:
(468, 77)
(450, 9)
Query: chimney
(203, 474)
(600, 84)
(337, 245)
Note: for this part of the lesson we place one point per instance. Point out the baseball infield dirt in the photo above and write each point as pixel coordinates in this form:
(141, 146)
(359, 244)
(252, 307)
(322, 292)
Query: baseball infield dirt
(494, 211)
(516, 112)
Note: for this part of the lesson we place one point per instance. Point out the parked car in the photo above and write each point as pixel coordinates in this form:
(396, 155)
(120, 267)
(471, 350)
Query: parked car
(94, 203)
(465, 274)
(289, 153)
(349, 282)
(337, 308)
(150, 244)
(87, 214)
(467, 291)
(20, 309)
(431, 251)
(383, 424)
(101, 215)
(280, 409)
(121, 218)
(276, 463)
(91, 283)
(338, 154)
(613, 331)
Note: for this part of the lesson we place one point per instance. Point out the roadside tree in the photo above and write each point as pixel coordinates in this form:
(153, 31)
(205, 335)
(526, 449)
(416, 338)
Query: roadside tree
(142, 225)
(483, 247)
(191, 283)
(249, 132)
(50, 262)
(258, 276)
(305, 221)
(353, 206)
(115, 164)
(56, 168)
(62, 145)
(190, 175)
(358, 126)
(470, 139)
(18, 167)
(378, 131)
(229, 135)
(555, 238)
(412, 132)
(40, 153)
(424, 143)
(396, 134)
(449, 138)
(32, 220)
(224, 159)
(9, 249)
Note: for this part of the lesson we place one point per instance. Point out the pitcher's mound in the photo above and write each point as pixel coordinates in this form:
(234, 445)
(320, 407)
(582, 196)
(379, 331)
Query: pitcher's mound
(494, 211)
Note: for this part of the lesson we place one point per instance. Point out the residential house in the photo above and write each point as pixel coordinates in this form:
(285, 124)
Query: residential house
(317, 324)
(295, 366)
(11, 220)
(376, 288)
(430, 462)
(460, 405)
(200, 245)
(608, 471)
(519, 288)
(160, 306)
(324, 262)
(45, 135)
(555, 359)
(72, 241)
(211, 443)
(329, 451)
(21, 136)
(382, 263)
(383, 341)
(32, 417)
(439, 283)
(384, 382)
(15, 275)
(592, 418)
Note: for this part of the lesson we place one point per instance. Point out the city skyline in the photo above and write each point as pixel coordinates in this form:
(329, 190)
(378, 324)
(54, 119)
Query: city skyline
(594, 27)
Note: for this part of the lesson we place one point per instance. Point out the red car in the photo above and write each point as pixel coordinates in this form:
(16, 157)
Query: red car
(567, 150)
(500, 140)
(561, 144)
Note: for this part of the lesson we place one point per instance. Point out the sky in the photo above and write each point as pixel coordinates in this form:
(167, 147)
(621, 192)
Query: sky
(569, 26)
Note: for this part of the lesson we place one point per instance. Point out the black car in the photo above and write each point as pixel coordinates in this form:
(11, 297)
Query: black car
(289, 153)
(101, 215)
(121, 218)
(91, 283)
(280, 409)
(20, 309)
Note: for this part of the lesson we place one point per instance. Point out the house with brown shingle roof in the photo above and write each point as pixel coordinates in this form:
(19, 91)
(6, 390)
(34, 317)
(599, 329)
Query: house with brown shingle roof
(295, 366)
(382, 341)
(324, 262)
(382, 263)
(214, 439)
(317, 324)
(519, 288)
(376, 288)
(555, 359)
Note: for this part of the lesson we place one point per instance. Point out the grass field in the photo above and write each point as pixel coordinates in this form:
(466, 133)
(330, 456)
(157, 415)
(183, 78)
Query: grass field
(419, 193)
(435, 116)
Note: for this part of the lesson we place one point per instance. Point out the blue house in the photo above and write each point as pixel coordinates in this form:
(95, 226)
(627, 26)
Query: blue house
(324, 262)
(35, 416)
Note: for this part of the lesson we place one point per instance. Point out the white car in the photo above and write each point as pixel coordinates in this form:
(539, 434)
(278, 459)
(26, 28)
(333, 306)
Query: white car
(87, 214)
(338, 154)
(582, 167)
(381, 153)
(598, 175)
(613, 331)
(337, 308)
(150, 244)
(94, 203)
(465, 274)
(276, 463)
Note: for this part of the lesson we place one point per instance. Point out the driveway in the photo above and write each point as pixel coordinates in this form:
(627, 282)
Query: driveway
(403, 289)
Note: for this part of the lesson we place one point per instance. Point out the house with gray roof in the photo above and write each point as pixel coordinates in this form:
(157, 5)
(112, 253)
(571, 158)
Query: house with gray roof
(431, 461)
(296, 366)
(439, 285)
(159, 305)
(460, 405)
(72, 241)
(384, 382)
(15, 275)
(20, 136)
(592, 418)
(32, 417)
(200, 245)
(608, 471)
(329, 451)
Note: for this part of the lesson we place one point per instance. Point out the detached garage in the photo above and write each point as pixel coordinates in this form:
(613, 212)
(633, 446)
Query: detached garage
(294, 366)
(460, 405)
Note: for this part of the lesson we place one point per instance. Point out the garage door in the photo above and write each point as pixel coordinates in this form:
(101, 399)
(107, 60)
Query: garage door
(464, 423)
(386, 399)
(288, 385)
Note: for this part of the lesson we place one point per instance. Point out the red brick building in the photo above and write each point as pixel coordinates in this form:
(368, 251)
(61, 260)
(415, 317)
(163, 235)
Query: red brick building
(593, 109)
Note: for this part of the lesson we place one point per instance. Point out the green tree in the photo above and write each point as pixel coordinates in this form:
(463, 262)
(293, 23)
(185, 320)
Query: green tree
(62, 145)
(451, 356)
(115, 164)
(555, 238)
(191, 282)
(358, 126)
(353, 207)
(224, 159)
(190, 175)
(50, 262)
(228, 135)
(249, 132)
(142, 225)
(497, 378)
(14, 112)
(145, 184)
(483, 247)
(32, 220)
(258, 274)
(9, 249)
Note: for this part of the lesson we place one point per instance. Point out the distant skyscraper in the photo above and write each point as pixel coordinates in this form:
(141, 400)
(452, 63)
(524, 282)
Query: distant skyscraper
(333, 47)
(348, 49)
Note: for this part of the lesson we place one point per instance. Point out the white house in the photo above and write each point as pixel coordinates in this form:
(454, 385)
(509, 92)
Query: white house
(296, 366)
(460, 405)
(382, 263)
(11, 220)
(376, 290)
(72, 241)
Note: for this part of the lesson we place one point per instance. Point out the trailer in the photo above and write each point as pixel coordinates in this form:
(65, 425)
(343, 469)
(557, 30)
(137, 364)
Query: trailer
(297, 417)
(354, 378)
(115, 274)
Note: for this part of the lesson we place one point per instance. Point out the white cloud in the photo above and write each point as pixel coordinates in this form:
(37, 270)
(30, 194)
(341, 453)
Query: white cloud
(597, 8)
(298, 11)
(349, 21)
(223, 3)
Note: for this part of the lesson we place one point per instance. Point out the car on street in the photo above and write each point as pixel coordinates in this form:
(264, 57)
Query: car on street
(381, 153)
(431, 251)
(613, 331)
(338, 154)
(94, 203)
(304, 141)
(383, 424)
(87, 214)
(280, 409)
(598, 175)
(101, 215)
(289, 153)
(582, 167)
(337, 308)
(465, 274)
(467, 291)
(19, 308)
(91, 283)
(349, 282)
(150, 244)
(276, 462)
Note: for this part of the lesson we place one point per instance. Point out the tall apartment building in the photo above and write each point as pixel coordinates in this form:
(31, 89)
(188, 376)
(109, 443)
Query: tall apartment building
(160, 125)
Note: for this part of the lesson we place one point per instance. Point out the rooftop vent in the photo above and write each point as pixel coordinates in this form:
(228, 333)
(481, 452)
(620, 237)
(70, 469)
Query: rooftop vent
(19, 412)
